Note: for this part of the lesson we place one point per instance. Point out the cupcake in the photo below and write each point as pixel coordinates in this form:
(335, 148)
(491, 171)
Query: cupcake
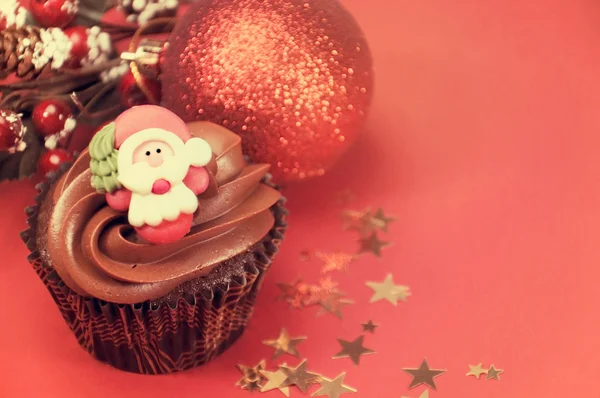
(155, 241)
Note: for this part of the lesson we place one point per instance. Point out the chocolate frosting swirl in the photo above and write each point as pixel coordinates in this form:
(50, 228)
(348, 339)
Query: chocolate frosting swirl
(98, 254)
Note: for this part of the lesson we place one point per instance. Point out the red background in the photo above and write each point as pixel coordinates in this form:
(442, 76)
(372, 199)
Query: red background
(483, 141)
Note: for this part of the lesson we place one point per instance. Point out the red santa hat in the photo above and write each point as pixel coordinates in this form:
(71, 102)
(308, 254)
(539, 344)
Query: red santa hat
(145, 117)
(150, 122)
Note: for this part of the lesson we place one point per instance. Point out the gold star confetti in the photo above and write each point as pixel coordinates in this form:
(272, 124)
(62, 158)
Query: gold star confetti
(326, 285)
(357, 220)
(299, 376)
(274, 381)
(285, 344)
(387, 290)
(252, 373)
(424, 394)
(372, 244)
(476, 370)
(315, 294)
(333, 304)
(252, 386)
(369, 327)
(423, 375)
(353, 349)
(403, 293)
(333, 388)
(300, 295)
(293, 294)
(252, 379)
(366, 222)
(337, 261)
(493, 373)
(381, 221)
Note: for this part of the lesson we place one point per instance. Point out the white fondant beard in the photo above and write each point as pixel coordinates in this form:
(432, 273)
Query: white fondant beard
(140, 177)
(152, 209)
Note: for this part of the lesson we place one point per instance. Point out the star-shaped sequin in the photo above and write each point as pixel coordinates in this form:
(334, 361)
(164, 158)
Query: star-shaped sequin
(337, 261)
(423, 375)
(333, 388)
(372, 244)
(369, 327)
(252, 379)
(357, 220)
(387, 290)
(493, 373)
(476, 370)
(316, 294)
(380, 220)
(285, 344)
(275, 381)
(333, 304)
(252, 373)
(254, 385)
(366, 222)
(294, 294)
(353, 349)
(299, 376)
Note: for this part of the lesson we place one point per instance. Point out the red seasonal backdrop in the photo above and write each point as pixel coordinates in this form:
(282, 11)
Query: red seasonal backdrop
(482, 144)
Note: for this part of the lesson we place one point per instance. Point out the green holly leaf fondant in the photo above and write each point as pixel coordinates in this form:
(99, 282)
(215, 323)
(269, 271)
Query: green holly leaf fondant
(104, 156)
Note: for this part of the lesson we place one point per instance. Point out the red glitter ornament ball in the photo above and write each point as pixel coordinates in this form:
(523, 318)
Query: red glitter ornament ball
(293, 78)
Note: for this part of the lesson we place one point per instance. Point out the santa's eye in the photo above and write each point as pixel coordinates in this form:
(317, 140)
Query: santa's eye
(158, 150)
(147, 153)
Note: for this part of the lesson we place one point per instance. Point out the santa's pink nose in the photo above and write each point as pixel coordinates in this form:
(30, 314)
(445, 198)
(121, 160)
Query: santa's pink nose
(155, 160)
(161, 187)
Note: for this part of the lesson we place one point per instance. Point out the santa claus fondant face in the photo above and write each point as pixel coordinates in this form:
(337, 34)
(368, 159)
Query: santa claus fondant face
(151, 155)
(152, 152)
(151, 166)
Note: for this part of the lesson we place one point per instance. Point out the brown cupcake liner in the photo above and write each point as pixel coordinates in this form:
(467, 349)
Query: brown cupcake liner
(158, 336)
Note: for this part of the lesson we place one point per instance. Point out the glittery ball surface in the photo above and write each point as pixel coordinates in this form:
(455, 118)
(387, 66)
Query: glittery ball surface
(293, 78)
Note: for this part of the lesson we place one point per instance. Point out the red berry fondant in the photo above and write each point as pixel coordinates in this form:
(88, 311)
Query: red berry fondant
(79, 47)
(52, 159)
(54, 13)
(119, 199)
(167, 231)
(49, 117)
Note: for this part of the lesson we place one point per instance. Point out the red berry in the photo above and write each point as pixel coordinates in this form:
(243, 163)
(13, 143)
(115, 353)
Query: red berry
(79, 47)
(131, 94)
(54, 13)
(49, 117)
(52, 159)
(11, 130)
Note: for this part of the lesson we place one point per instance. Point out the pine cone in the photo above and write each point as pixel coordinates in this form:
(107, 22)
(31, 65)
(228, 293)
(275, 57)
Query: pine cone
(17, 47)
(31, 51)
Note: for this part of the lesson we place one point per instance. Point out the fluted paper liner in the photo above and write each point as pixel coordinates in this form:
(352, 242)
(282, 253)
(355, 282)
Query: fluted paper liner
(163, 338)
